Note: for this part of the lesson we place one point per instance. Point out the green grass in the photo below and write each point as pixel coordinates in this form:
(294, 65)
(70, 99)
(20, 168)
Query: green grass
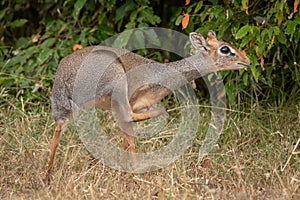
(256, 157)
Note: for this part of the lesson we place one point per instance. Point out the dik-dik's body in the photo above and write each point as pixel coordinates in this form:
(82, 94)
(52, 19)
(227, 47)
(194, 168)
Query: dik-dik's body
(79, 82)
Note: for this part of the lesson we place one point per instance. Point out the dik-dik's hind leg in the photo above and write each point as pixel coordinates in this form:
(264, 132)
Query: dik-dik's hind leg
(59, 129)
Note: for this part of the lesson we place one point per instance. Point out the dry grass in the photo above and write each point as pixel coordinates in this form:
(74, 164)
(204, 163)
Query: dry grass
(250, 161)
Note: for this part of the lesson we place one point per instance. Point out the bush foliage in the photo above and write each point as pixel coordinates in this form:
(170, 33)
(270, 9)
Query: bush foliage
(35, 35)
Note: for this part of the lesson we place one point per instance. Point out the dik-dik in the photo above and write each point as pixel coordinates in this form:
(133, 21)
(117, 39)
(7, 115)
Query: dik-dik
(212, 55)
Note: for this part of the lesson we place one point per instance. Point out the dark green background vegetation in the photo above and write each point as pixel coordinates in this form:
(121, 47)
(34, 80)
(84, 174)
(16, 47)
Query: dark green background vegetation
(36, 35)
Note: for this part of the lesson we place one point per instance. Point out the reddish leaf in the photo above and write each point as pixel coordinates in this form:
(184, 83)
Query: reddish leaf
(77, 46)
(36, 38)
(251, 43)
(262, 61)
(296, 3)
(187, 2)
(185, 20)
(280, 17)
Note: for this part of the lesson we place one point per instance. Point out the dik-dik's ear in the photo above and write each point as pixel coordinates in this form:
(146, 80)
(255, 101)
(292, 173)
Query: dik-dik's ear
(212, 39)
(199, 42)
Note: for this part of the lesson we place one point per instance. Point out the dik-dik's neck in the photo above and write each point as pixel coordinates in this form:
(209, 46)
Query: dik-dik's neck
(193, 67)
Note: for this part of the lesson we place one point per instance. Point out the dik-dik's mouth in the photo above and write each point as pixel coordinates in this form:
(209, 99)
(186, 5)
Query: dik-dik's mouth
(243, 65)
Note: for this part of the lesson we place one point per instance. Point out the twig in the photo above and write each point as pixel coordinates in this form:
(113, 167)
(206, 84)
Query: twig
(293, 153)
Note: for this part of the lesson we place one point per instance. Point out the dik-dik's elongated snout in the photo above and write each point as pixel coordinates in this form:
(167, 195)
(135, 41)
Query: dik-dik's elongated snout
(228, 57)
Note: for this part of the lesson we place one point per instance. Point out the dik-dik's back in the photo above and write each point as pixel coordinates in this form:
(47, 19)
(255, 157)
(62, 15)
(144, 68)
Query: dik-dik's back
(98, 66)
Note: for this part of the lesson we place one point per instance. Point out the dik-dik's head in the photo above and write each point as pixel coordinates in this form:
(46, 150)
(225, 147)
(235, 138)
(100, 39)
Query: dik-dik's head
(224, 55)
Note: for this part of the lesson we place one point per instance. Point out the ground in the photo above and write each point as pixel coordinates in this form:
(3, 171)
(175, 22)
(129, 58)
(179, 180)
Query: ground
(256, 157)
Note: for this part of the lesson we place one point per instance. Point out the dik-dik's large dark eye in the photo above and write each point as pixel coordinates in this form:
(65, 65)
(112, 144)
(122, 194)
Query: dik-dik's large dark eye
(225, 50)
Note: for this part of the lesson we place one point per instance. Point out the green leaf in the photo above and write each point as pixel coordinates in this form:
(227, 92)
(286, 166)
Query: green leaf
(7, 81)
(270, 33)
(244, 4)
(255, 73)
(130, 25)
(245, 41)
(147, 15)
(29, 52)
(263, 35)
(245, 79)
(122, 39)
(198, 7)
(255, 32)
(15, 61)
(2, 13)
(21, 42)
(210, 76)
(230, 91)
(282, 38)
(45, 55)
(122, 11)
(178, 20)
(134, 16)
(62, 26)
(290, 27)
(223, 27)
(279, 11)
(243, 32)
(77, 7)
(18, 23)
(139, 39)
(151, 37)
(47, 43)
(297, 19)
(215, 2)
(276, 30)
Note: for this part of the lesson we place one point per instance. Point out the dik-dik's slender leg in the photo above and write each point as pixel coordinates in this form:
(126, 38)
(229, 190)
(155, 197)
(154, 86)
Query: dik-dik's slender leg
(136, 117)
(128, 142)
(125, 115)
(59, 129)
(128, 139)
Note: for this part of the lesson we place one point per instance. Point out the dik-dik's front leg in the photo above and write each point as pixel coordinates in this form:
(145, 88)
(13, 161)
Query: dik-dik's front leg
(126, 115)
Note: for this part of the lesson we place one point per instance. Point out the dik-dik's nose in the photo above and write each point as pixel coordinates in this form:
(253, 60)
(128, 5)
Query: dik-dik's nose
(247, 60)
